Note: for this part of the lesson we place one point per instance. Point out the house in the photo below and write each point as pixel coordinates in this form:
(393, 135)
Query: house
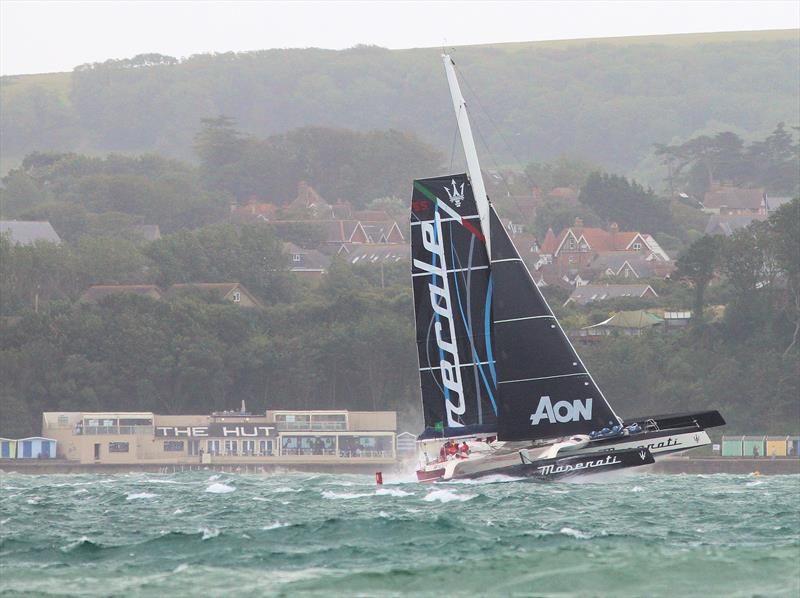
(589, 293)
(28, 232)
(628, 264)
(253, 211)
(383, 232)
(308, 262)
(308, 200)
(223, 291)
(728, 199)
(36, 447)
(773, 203)
(577, 246)
(625, 323)
(675, 320)
(727, 224)
(147, 232)
(96, 293)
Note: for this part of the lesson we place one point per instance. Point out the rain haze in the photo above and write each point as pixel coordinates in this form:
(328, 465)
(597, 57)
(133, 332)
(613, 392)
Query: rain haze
(400, 299)
(39, 37)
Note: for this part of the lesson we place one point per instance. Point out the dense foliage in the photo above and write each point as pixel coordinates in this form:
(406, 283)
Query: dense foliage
(349, 342)
(606, 102)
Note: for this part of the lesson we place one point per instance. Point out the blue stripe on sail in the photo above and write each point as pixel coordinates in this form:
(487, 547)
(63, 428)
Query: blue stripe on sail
(475, 357)
(487, 329)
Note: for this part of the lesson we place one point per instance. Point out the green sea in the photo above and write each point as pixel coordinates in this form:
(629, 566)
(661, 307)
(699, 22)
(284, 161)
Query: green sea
(299, 534)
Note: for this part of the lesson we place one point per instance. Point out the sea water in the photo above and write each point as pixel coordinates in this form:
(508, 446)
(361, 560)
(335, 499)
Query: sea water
(293, 534)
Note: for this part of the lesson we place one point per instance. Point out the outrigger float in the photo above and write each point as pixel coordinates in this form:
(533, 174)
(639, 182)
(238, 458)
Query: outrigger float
(497, 371)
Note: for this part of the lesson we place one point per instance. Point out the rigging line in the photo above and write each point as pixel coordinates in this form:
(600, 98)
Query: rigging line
(503, 138)
(497, 128)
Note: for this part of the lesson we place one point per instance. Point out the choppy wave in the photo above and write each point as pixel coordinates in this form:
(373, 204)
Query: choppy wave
(303, 534)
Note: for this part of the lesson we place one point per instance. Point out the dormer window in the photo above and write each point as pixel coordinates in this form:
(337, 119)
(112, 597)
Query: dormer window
(296, 257)
(637, 246)
(571, 244)
(237, 297)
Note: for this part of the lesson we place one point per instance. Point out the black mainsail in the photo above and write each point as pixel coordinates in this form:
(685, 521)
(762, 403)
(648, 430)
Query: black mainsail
(544, 390)
(452, 302)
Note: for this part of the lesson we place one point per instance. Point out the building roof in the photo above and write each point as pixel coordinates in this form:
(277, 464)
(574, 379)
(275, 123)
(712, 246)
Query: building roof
(219, 289)
(306, 260)
(727, 224)
(28, 232)
(97, 292)
(601, 292)
(737, 198)
(638, 319)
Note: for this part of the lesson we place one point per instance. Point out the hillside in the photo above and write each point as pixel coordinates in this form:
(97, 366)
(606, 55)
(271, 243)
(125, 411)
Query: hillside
(605, 100)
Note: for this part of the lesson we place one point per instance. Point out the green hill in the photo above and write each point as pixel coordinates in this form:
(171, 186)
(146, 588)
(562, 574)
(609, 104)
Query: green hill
(606, 100)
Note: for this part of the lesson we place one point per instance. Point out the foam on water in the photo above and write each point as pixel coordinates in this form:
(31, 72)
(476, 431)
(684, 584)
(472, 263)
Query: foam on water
(138, 495)
(219, 488)
(446, 496)
(712, 535)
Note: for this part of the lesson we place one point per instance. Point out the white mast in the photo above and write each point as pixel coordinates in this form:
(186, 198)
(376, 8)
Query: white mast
(473, 167)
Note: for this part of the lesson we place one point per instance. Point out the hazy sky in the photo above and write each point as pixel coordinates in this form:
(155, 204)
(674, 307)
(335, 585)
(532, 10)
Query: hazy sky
(40, 37)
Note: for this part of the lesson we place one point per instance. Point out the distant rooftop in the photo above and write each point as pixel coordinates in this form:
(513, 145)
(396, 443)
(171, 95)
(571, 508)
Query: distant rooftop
(28, 232)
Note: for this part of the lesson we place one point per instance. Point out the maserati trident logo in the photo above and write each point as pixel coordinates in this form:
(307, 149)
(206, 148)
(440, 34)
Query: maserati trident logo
(456, 195)
(562, 411)
(643, 455)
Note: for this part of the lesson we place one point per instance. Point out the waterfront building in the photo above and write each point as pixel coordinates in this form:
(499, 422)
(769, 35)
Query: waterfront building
(280, 437)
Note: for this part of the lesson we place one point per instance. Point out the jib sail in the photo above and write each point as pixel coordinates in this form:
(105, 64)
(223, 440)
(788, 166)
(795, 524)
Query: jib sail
(544, 390)
(453, 305)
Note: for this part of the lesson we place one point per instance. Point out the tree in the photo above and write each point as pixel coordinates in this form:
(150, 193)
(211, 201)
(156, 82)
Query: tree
(698, 265)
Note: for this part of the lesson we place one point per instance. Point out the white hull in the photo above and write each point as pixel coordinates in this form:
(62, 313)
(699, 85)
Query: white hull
(494, 457)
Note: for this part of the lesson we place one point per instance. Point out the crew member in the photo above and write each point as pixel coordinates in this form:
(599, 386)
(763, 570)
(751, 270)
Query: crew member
(464, 449)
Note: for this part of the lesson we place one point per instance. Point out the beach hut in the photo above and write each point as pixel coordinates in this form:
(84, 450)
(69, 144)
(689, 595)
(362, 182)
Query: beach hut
(8, 448)
(776, 446)
(36, 447)
(754, 446)
(732, 446)
(793, 446)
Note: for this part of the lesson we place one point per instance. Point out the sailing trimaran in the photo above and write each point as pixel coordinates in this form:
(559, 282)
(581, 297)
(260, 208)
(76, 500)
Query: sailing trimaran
(496, 368)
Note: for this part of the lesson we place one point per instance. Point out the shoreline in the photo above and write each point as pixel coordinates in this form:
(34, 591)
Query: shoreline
(667, 465)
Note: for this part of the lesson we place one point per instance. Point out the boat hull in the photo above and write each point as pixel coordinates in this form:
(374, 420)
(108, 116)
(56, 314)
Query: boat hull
(662, 435)
(580, 465)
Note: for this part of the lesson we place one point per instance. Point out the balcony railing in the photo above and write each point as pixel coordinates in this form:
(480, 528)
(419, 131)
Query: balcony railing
(312, 426)
(111, 430)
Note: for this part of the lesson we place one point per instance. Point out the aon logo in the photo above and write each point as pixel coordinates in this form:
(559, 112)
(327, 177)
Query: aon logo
(562, 411)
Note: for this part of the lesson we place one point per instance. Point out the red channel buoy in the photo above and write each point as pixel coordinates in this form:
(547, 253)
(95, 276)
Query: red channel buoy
(379, 478)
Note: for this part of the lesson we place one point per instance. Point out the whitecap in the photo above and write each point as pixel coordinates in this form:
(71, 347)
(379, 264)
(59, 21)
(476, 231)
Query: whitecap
(285, 489)
(637, 489)
(383, 514)
(209, 533)
(220, 488)
(180, 568)
(79, 542)
(342, 495)
(392, 492)
(497, 478)
(34, 500)
(446, 496)
(4, 521)
(755, 483)
(260, 499)
(177, 511)
(80, 491)
(135, 495)
(275, 525)
(568, 531)
(213, 477)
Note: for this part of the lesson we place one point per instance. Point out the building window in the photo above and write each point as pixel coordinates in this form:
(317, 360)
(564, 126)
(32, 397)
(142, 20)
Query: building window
(117, 447)
(237, 297)
(63, 420)
(173, 446)
(637, 246)
(213, 447)
(231, 447)
(296, 257)
(571, 244)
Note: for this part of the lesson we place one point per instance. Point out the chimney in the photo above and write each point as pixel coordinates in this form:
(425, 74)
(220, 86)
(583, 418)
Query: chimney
(578, 222)
(613, 229)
